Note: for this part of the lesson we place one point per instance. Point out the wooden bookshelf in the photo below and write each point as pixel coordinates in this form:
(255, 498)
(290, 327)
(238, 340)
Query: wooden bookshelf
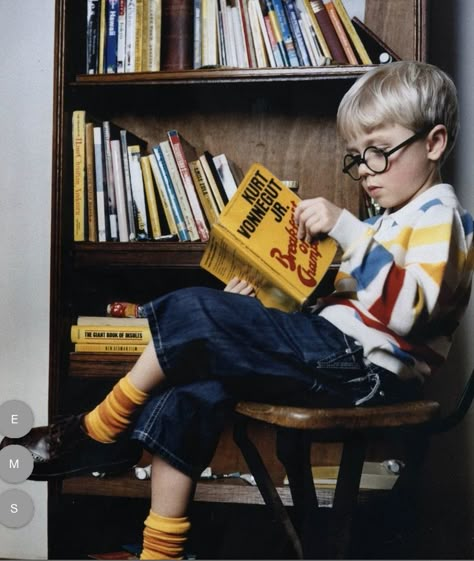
(284, 118)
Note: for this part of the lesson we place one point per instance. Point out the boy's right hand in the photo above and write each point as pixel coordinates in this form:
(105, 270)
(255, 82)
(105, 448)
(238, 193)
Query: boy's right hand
(238, 286)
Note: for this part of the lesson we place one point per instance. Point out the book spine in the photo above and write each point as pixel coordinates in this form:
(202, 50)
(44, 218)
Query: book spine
(111, 200)
(138, 193)
(150, 197)
(139, 36)
(327, 28)
(119, 191)
(188, 184)
(197, 22)
(154, 35)
(111, 37)
(259, 46)
(225, 173)
(173, 200)
(177, 35)
(128, 185)
(321, 41)
(92, 34)
(351, 31)
(277, 33)
(179, 190)
(243, 15)
(285, 32)
(273, 42)
(312, 41)
(121, 36)
(145, 35)
(202, 188)
(99, 186)
(292, 16)
(239, 37)
(341, 33)
(110, 334)
(209, 32)
(213, 178)
(131, 19)
(90, 181)
(263, 31)
(102, 35)
(163, 195)
(78, 149)
(108, 348)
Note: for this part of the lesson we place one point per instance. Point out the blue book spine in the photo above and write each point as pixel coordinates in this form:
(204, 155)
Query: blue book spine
(111, 36)
(285, 32)
(295, 29)
(175, 208)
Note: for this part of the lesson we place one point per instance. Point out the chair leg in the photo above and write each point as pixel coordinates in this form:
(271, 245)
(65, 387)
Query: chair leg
(265, 485)
(294, 452)
(345, 496)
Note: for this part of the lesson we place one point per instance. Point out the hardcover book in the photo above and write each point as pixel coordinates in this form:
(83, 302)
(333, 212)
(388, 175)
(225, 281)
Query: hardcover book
(255, 239)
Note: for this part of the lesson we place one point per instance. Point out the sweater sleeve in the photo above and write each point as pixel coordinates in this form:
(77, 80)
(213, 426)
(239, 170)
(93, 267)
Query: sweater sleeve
(403, 280)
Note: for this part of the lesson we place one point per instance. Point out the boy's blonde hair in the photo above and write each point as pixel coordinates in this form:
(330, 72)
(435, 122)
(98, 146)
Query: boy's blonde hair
(415, 95)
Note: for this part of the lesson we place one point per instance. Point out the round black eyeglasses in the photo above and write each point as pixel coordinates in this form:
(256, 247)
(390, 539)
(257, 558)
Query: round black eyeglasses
(374, 158)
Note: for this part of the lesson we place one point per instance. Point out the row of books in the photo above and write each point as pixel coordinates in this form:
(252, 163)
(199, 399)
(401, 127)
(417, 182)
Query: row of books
(121, 193)
(152, 35)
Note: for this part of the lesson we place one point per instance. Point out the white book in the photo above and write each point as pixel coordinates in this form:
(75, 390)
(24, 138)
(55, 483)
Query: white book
(239, 38)
(122, 219)
(99, 185)
(130, 37)
(128, 185)
(209, 33)
(179, 190)
(225, 173)
(242, 33)
(313, 43)
(197, 34)
(112, 321)
(138, 192)
(154, 35)
(111, 199)
(121, 35)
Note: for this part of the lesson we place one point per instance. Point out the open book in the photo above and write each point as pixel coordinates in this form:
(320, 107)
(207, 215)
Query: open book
(255, 239)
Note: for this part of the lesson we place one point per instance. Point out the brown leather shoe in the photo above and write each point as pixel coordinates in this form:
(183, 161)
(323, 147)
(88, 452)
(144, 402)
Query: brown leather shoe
(63, 449)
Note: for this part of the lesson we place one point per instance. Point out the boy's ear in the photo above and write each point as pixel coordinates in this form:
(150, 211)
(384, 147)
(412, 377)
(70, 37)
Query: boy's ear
(436, 142)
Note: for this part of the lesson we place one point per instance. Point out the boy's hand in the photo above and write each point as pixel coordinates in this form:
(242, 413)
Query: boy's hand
(315, 216)
(238, 286)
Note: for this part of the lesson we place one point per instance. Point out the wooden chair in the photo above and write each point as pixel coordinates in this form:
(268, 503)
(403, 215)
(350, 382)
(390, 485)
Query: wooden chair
(298, 427)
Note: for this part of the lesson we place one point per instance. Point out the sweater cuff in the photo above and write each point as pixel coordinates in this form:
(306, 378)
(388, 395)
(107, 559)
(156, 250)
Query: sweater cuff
(348, 230)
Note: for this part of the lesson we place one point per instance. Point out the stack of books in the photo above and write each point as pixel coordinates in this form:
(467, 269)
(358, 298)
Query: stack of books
(152, 35)
(121, 193)
(101, 334)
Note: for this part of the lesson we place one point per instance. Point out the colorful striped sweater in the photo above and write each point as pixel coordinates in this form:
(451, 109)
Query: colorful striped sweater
(404, 281)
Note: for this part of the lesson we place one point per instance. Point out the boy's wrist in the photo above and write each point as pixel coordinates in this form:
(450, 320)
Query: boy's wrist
(347, 230)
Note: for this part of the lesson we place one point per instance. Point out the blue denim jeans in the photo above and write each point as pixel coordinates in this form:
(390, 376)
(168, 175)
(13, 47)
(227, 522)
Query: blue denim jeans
(217, 348)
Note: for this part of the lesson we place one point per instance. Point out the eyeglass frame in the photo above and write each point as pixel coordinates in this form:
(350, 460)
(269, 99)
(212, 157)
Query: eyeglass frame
(358, 160)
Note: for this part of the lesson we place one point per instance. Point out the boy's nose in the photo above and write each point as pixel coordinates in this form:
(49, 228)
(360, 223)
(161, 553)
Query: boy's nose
(364, 169)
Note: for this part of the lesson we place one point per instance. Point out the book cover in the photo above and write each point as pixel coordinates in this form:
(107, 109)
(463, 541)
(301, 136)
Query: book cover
(168, 186)
(90, 182)
(208, 202)
(177, 42)
(138, 193)
(180, 146)
(79, 175)
(313, 36)
(375, 46)
(150, 197)
(341, 32)
(110, 334)
(351, 31)
(100, 188)
(92, 36)
(255, 239)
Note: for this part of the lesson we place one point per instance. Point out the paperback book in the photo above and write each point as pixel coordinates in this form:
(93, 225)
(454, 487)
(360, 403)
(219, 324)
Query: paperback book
(255, 239)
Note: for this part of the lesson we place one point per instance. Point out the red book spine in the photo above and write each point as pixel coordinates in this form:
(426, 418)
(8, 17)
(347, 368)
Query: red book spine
(329, 32)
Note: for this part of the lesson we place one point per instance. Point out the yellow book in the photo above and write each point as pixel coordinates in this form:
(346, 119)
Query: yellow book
(350, 29)
(102, 34)
(139, 36)
(150, 197)
(79, 174)
(109, 348)
(202, 188)
(110, 334)
(255, 239)
(317, 29)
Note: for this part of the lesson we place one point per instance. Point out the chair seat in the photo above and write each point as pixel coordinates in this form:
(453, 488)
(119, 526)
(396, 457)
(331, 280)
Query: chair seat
(352, 418)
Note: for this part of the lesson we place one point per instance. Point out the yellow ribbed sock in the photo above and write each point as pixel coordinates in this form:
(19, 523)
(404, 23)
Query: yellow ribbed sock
(163, 537)
(113, 415)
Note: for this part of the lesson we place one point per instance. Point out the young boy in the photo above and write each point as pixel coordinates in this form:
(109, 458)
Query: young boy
(403, 284)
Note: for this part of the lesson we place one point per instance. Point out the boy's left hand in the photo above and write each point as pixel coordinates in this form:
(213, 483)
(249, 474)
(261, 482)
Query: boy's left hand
(315, 216)
(238, 286)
